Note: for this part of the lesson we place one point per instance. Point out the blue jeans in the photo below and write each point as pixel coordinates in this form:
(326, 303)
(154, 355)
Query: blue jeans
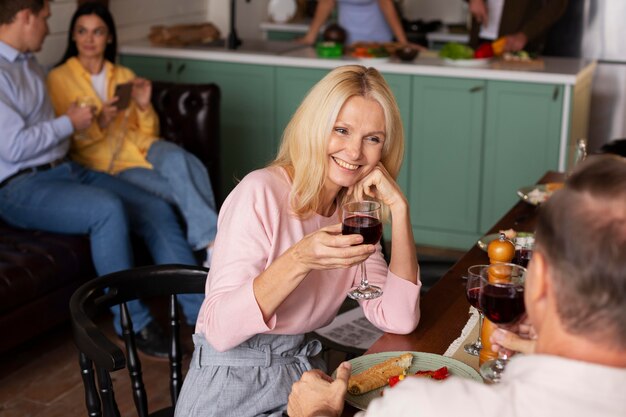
(182, 180)
(73, 200)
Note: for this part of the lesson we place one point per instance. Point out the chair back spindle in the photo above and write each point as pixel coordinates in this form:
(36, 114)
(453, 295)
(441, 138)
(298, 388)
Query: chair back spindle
(97, 352)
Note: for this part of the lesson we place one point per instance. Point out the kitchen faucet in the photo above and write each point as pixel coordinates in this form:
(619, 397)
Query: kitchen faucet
(233, 41)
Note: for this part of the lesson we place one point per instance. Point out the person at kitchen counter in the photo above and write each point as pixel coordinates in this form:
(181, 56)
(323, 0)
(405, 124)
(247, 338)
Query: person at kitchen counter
(363, 20)
(124, 141)
(524, 23)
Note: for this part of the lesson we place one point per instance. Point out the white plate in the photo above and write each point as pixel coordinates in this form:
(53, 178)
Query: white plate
(421, 362)
(471, 63)
(538, 194)
(484, 241)
(281, 11)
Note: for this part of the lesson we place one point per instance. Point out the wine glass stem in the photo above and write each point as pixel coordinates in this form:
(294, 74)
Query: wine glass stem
(364, 282)
(479, 341)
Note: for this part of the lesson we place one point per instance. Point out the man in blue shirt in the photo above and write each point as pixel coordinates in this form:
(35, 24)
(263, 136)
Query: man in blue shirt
(41, 189)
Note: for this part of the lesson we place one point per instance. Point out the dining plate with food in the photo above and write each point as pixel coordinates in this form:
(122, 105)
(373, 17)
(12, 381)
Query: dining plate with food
(538, 194)
(371, 374)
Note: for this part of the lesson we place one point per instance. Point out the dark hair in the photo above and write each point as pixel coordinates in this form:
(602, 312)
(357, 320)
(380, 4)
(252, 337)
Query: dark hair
(102, 11)
(10, 8)
(581, 230)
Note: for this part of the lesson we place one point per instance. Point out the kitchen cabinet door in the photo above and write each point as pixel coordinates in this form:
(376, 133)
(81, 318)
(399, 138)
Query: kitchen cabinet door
(522, 131)
(292, 85)
(444, 163)
(156, 69)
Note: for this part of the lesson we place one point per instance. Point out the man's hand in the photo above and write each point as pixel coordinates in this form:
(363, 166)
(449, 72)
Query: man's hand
(478, 9)
(523, 341)
(317, 395)
(515, 42)
(81, 117)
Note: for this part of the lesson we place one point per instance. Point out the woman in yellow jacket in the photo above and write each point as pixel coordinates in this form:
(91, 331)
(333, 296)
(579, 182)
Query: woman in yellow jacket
(125, 142)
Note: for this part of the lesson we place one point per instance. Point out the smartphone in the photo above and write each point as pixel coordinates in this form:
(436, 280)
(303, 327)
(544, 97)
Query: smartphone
(123, 92)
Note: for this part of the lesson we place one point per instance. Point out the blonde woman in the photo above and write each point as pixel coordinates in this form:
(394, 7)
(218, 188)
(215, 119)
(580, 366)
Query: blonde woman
(281, 266)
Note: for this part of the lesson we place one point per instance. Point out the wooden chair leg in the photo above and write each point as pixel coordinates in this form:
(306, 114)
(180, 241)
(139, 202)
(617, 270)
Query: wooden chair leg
(109, 406)
(92, 400)
(176, 376)
(134, 364)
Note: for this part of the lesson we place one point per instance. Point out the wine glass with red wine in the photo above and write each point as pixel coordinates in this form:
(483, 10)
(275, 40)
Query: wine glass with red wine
(502, 302)
(472, 291)
(363, 218)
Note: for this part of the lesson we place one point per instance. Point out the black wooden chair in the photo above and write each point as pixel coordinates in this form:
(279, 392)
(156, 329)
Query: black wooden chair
(99, 353)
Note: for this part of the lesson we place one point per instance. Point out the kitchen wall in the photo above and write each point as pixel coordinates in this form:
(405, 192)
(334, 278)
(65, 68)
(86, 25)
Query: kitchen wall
(448, 11)
(132, 17)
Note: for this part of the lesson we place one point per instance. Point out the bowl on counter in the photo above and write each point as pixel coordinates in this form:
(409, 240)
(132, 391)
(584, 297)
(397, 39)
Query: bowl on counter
(407, 53)
(329, 49)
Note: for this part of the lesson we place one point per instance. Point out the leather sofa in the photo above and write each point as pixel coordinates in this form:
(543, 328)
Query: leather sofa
(39, 271)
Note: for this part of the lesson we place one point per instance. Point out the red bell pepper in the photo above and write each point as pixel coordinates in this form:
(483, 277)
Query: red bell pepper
(484, 51)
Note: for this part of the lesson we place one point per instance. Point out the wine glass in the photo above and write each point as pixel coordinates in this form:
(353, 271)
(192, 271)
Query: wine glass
(82, 102)
(472, 291)
(502, 302)
(363, 218)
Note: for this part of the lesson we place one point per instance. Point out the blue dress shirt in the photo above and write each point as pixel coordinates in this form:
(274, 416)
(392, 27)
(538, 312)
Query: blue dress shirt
(31, 134)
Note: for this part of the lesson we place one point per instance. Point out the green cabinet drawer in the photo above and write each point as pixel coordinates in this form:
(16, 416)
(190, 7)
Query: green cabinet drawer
(522, 131)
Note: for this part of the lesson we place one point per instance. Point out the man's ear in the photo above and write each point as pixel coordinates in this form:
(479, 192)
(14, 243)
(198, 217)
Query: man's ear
(537, 288)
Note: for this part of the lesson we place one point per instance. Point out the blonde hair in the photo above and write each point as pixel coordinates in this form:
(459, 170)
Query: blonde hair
(303, 150)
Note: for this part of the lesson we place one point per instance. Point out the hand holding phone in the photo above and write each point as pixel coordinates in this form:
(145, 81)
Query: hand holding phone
(123, 92)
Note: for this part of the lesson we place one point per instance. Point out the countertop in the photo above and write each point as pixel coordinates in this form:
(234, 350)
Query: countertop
(555, 71)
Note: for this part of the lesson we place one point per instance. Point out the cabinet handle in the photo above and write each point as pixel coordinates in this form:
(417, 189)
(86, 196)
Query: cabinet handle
(181, 69)
(476, 89)
(555, 93)
(168, 67)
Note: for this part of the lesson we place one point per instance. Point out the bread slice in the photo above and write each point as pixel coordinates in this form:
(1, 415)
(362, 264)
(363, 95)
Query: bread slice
(378, 375)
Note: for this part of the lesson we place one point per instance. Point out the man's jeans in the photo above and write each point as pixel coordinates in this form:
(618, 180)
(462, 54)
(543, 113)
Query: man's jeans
(73, 200)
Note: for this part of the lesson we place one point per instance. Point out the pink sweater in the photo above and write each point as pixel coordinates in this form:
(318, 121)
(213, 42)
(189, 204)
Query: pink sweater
(255, 227)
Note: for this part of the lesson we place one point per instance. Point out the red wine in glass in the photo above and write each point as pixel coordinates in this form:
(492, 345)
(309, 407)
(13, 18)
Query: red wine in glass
(473, 296)
(369, 227)
(522, 257)
(363, 218)
(502, 304)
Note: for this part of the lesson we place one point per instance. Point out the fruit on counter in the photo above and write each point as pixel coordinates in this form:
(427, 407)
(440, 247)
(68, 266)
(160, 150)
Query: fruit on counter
(498, 46)
(370, 52)
(500, 249)
(484, 51)
(455, 50)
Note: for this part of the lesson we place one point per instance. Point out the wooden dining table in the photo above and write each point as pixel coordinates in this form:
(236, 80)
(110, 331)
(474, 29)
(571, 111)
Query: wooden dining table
(444, 308)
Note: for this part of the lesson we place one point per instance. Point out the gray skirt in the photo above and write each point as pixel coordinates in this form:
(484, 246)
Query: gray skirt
(252, 379)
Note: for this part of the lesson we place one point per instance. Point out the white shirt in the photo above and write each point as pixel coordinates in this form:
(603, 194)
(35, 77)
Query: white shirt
(532, 386)
(490, 29)
(99, 82)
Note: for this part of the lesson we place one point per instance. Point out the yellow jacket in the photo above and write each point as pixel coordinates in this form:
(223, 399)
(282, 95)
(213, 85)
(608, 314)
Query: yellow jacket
(126, 140)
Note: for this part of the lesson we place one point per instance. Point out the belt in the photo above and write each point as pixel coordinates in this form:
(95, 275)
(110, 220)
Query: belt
(38, 168)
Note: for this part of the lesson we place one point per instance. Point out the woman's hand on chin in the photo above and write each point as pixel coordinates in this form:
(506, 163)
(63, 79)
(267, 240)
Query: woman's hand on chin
(380, 185)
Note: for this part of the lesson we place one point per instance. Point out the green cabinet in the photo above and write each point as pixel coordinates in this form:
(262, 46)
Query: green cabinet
(446, 160)
(522, 128)
(154, 68)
